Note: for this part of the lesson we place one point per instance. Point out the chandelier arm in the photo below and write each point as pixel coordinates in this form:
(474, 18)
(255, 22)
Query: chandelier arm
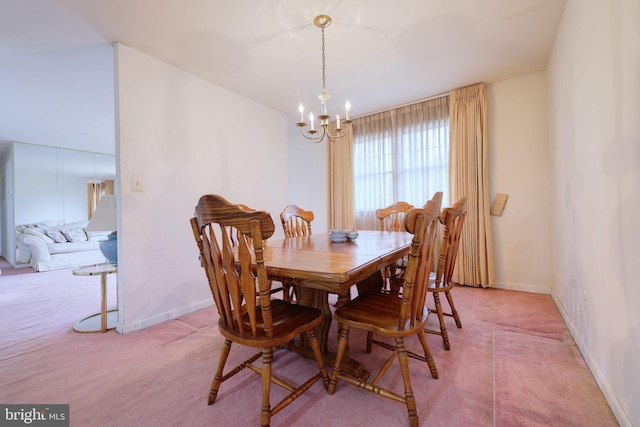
(337, 135)
(310, 136)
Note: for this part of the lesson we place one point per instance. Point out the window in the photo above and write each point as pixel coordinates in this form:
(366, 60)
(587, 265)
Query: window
(401, 154)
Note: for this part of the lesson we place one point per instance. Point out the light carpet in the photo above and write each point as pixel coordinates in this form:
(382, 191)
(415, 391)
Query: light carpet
(512, 364)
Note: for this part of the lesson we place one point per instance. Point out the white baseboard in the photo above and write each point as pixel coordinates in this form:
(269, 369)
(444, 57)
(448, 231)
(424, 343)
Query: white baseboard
(534, 289)
(136, 326)
(611, 399)
(22, 265)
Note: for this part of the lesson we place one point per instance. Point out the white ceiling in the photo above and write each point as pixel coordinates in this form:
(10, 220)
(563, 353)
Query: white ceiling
(379, 53)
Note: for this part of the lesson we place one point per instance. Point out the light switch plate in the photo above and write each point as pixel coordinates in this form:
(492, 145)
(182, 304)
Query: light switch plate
(136, 183)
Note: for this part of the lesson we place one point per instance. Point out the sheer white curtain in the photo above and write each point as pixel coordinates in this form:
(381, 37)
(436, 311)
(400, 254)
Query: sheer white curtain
(400, 155)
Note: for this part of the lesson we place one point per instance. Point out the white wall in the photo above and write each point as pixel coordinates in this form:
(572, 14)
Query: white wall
(519, 167)
(59, 98)
(36, 176)
(594, 111)
(7, 210)
(183, 137)
(308, 182)
(51, 183)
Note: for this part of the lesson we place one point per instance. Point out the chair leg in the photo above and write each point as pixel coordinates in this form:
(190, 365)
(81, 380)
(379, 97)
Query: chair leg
(369, 341)
(409, 397)
(265, 410)
(315, 346)
(427, 354)
(443, 327)
(217, 379)
(454, 313)
(342, 348)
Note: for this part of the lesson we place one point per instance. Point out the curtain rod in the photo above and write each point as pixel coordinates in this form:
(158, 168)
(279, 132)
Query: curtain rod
(404, 105)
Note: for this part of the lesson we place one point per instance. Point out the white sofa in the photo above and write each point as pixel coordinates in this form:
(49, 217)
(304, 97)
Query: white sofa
(49, 247)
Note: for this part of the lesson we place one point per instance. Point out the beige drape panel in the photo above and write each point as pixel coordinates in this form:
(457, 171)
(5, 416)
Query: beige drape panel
(468, 176)
(95, 190)
(108, 187)
(91, 196)
(340, 173)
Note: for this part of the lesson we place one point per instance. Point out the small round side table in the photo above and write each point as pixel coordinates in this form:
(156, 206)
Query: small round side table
(105, 320)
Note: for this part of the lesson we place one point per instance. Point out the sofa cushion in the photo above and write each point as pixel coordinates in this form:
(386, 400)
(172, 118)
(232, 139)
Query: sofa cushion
(66, 247)
(56, 235)
(74, 234)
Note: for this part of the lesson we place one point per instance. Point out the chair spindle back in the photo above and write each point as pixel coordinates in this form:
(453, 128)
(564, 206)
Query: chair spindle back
(452, 219)
(296, 221)
(422, 222)
(229, 237)
(391, 218)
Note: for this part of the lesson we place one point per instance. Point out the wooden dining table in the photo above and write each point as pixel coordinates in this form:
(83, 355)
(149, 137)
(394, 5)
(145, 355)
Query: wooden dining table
(317, 267)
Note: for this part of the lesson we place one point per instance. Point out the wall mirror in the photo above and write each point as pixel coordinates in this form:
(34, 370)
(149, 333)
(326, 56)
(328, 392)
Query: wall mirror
(57, 185)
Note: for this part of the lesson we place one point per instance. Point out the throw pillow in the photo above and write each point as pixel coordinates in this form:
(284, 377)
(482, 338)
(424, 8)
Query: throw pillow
(39, 233)
(74, 234)
(97, 236)
(56, 235)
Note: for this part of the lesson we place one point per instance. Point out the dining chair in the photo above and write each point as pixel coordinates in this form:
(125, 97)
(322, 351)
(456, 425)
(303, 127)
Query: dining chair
(391, 218)
(295, 222)
(395, 281)
(394, 316)
(249, 316)
(441, 281)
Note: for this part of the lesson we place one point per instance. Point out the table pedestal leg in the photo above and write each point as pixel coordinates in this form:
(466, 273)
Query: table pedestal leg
(320, 299)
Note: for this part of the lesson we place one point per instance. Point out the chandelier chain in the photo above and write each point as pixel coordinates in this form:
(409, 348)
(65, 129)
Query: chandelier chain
(324, 80)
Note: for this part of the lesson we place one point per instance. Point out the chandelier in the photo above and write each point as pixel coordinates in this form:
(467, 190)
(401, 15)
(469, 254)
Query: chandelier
(342, 126)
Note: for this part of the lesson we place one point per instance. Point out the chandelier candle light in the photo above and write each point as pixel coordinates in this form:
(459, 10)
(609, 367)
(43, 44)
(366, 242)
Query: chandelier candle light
(322, 22)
